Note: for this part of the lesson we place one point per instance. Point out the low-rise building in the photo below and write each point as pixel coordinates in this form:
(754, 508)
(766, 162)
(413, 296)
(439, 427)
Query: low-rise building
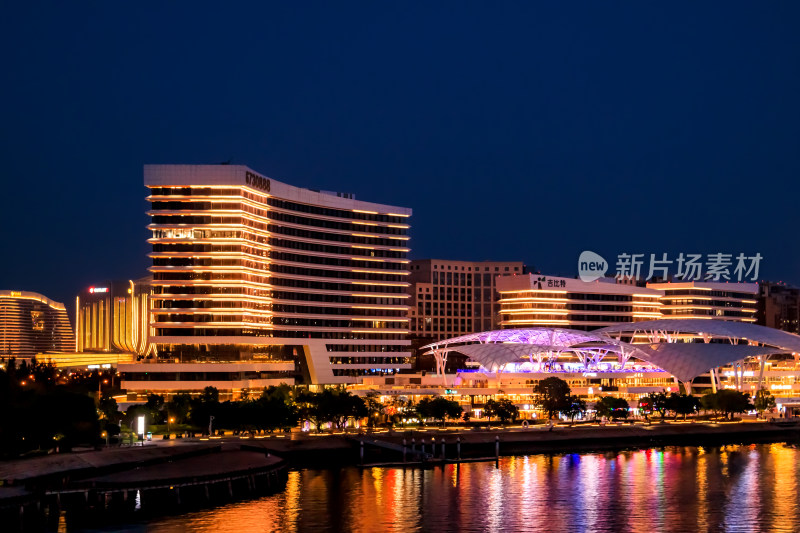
(533, 300)
(702, 299)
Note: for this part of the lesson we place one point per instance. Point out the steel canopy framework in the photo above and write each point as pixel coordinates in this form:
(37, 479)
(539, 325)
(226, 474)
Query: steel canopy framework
(707, 329)
(684, 348)
(496, 349)
(689, 347)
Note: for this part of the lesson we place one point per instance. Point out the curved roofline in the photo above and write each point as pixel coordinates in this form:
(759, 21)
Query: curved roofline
(164, 175)
(28, 295)
(685, 361)
(716, 328)
(520, 336)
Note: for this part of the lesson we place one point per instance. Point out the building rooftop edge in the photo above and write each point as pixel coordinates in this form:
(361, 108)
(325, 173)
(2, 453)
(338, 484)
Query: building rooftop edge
(179, 174)
(29, 295)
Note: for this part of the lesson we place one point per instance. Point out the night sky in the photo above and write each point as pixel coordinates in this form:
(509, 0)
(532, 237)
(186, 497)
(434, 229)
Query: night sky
(516, 131)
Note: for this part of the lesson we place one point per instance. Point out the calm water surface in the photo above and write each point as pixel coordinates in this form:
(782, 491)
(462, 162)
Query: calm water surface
(731, 488)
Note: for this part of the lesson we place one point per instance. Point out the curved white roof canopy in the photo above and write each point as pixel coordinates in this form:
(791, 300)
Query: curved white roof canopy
(494, 349)
(783, 340)
(684, 360)
(554, 338)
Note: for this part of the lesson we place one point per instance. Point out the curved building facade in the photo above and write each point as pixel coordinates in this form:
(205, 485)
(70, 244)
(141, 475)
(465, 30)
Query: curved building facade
(249, 270)
(114, 317)
(31, 324)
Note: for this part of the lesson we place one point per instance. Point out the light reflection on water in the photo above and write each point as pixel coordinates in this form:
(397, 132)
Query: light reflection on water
(731, 488)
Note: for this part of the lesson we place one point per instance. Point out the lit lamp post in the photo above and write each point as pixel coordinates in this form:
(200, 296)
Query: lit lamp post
(170, 420)
(140, 428)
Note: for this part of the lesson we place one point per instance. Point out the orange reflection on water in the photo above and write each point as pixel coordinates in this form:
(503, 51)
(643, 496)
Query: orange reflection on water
(738, 488)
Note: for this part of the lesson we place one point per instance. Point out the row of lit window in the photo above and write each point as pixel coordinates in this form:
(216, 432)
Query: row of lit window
(330, 224)
(344, 311)
(329, 212)
(340, 250)
(336, 237)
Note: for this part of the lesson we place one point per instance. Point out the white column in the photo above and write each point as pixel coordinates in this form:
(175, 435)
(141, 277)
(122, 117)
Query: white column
(762, 360)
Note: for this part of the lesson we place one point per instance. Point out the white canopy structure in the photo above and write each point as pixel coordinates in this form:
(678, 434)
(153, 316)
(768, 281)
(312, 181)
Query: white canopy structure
(495, 349)
(708, 329)
(685, 348)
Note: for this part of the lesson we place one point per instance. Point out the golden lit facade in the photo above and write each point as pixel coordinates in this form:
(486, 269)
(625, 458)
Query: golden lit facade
(708, 300)
(533, 300)
(31, 324)
(114, 317)
(309, 285)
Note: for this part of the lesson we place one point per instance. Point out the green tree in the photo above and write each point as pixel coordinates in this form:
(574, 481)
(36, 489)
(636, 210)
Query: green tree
(312, 408)
(282, 392)
(621, 408)
(331, 405)
(655, 402)
(275, 410)
(552, 395)
(611, 407)
(646, 406)
(397, 409)
(709, 402)
(155, 407)
(731, 402)
(604, 407)
(424, 410)
(490, 409)
(107, 406)
(204, 407)
(575, 406)
(210, 395)
(504, 409)
(347, 405)
(438, 408)
(764, 401)
(375, 409)
(683, 404)
(178, 407)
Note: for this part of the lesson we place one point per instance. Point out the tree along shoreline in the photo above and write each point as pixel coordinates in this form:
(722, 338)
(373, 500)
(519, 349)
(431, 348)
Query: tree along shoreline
(50, 411)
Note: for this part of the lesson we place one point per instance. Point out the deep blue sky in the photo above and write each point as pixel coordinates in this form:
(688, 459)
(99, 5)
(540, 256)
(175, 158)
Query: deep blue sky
(520, 130)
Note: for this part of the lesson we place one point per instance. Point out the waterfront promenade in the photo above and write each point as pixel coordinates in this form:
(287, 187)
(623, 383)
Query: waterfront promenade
(209, 471)
(312, 449)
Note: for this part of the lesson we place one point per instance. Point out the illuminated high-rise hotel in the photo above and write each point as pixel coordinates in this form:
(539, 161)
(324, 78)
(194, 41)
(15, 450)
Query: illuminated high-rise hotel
(269, 282)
